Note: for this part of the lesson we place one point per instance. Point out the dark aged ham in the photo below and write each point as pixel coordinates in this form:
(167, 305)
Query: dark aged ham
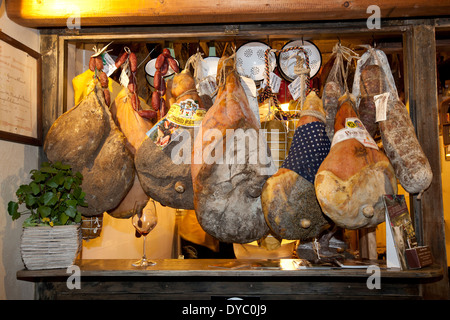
(288, 198)
(163, 163)
(226, 194)
(87, 138)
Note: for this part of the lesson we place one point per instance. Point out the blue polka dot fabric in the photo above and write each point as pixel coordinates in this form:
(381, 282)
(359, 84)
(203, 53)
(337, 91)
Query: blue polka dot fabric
(310, 145)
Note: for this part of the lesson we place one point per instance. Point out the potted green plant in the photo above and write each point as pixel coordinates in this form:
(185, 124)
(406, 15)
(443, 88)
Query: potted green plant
(51, 234)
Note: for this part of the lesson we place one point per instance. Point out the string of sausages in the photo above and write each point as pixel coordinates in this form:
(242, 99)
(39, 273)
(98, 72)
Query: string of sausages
(162, 64)
(96, 65)
(128, 60)
(267, 91)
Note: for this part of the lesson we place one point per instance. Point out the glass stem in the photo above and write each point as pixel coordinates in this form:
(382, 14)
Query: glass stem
(143, 253)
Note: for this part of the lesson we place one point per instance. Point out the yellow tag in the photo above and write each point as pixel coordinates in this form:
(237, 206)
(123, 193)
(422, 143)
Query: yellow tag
(186, 113)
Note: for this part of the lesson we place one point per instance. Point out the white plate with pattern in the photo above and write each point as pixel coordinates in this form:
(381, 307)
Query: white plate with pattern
(250, 60)
(286, 60)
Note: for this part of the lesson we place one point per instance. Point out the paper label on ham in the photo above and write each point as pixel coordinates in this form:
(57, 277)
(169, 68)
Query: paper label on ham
(354, 129)
(207, 86)
(185, 114)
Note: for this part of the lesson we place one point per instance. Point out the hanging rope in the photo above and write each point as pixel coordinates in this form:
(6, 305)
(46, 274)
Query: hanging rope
(267, 92)
(343, 53)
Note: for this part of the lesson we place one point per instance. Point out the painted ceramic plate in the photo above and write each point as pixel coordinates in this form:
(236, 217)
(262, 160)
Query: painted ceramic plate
(250, 60)
(286, 60)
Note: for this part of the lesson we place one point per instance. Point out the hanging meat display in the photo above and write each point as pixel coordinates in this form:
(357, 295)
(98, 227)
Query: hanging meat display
(130, 114)
(227, 191)
(397, 131)
(87, 138)
(163, 159)
(353, 177)
(288, 198)
(194, 158)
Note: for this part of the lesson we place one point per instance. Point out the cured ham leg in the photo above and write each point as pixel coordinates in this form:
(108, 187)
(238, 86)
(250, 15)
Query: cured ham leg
(134, 127)
(226, 193)
(353, 177)
(288, 198)
(87, 138)
(162, 163)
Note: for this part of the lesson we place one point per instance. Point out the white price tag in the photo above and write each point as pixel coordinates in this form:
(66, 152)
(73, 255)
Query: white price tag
(109, 65)
(295, 88)
(381, 101)
(275, 82)
(124, 80)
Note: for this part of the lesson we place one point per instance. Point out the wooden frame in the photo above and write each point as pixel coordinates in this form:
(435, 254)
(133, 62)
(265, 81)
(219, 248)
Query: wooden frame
(20, 88)
(419, 48)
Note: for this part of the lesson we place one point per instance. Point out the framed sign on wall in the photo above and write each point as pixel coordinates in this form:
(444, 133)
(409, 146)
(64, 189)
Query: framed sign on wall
(20, 92)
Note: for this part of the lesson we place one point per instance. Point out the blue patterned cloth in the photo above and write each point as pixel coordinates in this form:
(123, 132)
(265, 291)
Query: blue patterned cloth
(310, 145)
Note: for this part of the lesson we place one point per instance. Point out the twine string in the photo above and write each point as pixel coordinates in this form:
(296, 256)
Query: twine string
(267, 92)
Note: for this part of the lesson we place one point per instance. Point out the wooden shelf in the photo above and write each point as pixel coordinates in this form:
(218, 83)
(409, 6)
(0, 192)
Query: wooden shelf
(218, 268)
(205, 279)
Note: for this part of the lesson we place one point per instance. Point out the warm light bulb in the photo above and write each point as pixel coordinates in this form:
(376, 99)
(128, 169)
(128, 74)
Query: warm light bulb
(285, 106)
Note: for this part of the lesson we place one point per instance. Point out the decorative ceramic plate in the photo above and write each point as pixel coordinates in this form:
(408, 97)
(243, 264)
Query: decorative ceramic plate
(150, 71)
(286, 60)
(250, 60)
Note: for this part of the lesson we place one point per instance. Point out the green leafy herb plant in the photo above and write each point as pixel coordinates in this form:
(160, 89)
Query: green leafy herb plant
(51, 198)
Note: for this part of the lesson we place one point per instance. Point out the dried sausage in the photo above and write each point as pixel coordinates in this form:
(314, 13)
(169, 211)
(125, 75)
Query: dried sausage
(156, 100)
(166, 52)
(160, 61)
(121, 59)
(133, 62)
(92, 64)
(148, 114)
(99, 63)
(157, 80)
(103, 79)
(403, 149)
(173, 64)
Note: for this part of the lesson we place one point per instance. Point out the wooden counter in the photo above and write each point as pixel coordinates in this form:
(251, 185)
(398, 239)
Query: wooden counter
(206, 279)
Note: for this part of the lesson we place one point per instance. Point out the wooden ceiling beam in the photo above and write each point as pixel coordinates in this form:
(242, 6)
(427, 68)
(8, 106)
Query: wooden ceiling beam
(61, 13)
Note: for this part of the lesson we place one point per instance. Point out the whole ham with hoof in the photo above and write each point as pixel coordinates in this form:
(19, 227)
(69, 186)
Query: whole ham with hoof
(353, 177)
(165, 173)
(226, 193)
(87, 138)
(134, 127)
(288, 198)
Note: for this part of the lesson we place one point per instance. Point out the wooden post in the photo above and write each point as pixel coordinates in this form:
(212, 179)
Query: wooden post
(419, 45)
(49, 51)
(368, 243)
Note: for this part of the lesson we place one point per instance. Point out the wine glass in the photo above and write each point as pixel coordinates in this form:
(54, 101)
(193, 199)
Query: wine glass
(144, 219)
